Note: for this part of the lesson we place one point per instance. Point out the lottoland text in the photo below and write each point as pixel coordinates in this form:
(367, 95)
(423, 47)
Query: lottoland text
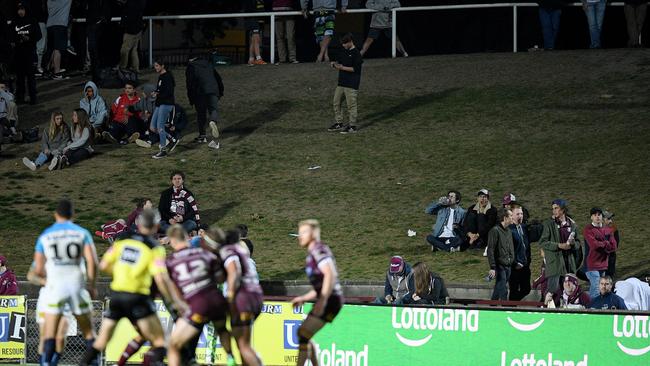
(544, 360)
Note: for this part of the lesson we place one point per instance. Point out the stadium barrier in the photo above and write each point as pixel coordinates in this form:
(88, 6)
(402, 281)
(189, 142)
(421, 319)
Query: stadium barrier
(12, 329)
(272, 15)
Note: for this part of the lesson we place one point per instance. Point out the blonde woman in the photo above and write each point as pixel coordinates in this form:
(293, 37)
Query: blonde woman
(82, 135)
(55, 138)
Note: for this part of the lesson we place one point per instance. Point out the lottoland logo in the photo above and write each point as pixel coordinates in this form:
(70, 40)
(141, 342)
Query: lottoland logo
(632, 326)
(441, 320)
(333, 356)
(547, 360)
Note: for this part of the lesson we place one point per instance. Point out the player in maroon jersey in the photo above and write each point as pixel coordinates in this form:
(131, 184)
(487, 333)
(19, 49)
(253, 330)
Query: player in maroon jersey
(323, 276)
(244, 295)
(196, 273)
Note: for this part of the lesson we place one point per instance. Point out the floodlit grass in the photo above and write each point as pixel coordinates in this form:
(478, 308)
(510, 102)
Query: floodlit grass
(544, 125)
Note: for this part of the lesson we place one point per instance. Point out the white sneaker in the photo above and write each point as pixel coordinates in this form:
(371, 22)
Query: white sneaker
(485, 252)
(30, 164)
(214, 128)
(53, 163)
(143, 143)
(214, 145)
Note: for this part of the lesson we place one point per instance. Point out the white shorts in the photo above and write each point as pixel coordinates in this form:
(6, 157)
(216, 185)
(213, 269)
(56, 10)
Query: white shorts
(55, 299)
(40, 308)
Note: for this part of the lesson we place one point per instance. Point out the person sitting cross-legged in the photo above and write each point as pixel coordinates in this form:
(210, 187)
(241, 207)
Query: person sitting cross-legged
(125, 125)
(447, 230)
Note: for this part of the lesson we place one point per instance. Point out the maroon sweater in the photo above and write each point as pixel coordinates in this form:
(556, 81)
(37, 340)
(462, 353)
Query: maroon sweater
(8, 284)
(600, 242)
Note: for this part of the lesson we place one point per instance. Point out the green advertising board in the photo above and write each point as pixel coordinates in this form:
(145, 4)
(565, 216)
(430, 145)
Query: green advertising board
(364, 335)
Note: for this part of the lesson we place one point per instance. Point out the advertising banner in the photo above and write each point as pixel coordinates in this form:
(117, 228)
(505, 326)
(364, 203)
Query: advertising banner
(377, 335)
(12, 327)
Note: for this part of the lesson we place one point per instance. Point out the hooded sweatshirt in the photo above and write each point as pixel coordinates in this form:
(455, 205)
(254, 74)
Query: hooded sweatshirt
(95, 107)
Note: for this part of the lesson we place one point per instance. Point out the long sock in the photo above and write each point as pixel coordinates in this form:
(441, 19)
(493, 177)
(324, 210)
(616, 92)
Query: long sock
(188, 352)
(129, 351)
(56, 357)
(89, 345)
(41, 359)
(49, 346)
(155, 356)
(90, 357)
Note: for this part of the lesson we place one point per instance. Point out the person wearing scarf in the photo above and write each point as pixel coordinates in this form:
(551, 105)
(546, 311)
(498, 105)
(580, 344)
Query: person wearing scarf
(570, 296)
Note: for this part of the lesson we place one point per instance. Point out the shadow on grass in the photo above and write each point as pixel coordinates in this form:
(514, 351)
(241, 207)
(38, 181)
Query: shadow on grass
(250, 124)
(297, 273)
(407, 105)
(212, 215)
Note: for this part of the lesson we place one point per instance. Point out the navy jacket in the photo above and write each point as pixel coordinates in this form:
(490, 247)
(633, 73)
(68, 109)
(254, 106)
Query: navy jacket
(609, 301)
(522, 245)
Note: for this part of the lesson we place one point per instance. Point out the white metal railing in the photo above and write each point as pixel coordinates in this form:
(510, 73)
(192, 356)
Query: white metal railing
(273, 15)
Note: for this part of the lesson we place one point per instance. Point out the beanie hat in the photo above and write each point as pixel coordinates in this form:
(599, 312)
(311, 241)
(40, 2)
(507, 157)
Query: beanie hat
(396, 264)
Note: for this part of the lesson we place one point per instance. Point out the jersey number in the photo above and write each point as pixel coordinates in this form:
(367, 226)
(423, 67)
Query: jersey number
(73, 250)
(195, 269)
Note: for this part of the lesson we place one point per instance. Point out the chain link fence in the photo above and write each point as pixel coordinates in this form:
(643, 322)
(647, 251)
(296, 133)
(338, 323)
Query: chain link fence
(75, 343)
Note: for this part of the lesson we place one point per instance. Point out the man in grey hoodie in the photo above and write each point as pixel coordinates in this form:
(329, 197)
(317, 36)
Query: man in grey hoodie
(382, 22)
(94, 105)
(324, 11)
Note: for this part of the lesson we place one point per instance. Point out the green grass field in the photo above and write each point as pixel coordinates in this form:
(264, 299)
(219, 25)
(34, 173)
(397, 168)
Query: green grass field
(543, 125)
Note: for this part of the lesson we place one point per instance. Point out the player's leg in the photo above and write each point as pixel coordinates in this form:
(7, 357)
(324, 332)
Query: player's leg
(306, 349)
(151, 329)
(52, 318)
(242, 334)
(105, 333)
(60, 338)
(224, 335)
(183, 332)
(131, 348)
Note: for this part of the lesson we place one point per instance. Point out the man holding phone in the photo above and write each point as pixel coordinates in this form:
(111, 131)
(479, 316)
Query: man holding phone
(349, 66)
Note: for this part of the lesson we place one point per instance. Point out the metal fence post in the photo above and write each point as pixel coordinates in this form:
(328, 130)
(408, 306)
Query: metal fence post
(150, 42)
(514, 28)
(272, 38)
(393, 41)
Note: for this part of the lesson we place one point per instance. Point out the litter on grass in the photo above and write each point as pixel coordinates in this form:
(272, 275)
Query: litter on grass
(314, 167)
(411, 233)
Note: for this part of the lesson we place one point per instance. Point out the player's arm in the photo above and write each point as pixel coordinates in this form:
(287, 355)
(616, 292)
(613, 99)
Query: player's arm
(34, 278)
(90, 255)
(39, 264)
(309, 296)
(158, 270)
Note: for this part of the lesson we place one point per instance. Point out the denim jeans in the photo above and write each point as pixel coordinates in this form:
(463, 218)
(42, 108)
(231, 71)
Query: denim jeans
(501, 284)
(595, 14)
(594, 281)
(550, 20)
(158, 120)
(41, 159)
(188, 225)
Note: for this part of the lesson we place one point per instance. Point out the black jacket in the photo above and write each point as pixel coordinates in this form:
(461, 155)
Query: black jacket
(202, 78)
(480, 223)
(25, 32)
(521, 245)
(132, 16)
(351, 58)
(437, 291)
(164, 205)
(165, 89)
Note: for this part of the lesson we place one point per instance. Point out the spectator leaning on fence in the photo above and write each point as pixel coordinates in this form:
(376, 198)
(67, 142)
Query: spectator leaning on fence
(324, 23)
(254, 30)
(395, 287)
(285, 32)
(8, 283)
(599, 243)
(447, 231)
(550, 12)
(635, 12)
(382, 22)
(595, 11)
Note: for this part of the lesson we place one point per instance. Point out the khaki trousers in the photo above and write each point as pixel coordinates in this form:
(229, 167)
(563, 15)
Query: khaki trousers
(351, 101)
(129, 51)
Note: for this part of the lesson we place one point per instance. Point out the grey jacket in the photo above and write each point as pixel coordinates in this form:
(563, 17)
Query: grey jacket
(382, 19)
(396, 284)
(5, 98)
(55, 145)
(80, 140)
(323, 4)
(148, 103)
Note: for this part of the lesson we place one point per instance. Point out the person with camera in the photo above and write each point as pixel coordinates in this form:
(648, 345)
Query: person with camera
(348, 64)
(561, 245)
(600, 242)
(447, 232)
(501, 254)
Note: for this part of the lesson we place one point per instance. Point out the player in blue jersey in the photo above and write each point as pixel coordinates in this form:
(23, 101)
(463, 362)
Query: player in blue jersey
(66, 252)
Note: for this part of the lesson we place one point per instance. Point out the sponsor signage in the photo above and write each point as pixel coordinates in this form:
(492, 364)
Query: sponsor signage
(378, 335)
(12, 327)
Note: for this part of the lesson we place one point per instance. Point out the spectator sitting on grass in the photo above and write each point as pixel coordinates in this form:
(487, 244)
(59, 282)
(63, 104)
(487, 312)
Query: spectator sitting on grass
(243, 236)
(480, 219)
(569, 296)
(178, 206)
(125, 125)
(8, 283)
(425, 287)
(607, 299)
(8, 112)
(55, 138)
(447, 232)
(95, 107)
(82, 136)
(116, 229)
(395, 287)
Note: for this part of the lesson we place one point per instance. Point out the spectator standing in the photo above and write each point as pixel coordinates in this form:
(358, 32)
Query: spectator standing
(38, 10)
(608, 220)
(382, 22)
(570, 296)
(94, 106)
(254, 29)
(58, 12)
(446, 234)
(561, 245)
(599, 243)
(8, 283)
(54, 140)
(132, 23)
(520, 275)
(82, 136)
(124, 123)
(480, 219)
(98, 17)
(324, 23)
(178, 206)
(510, 198)
(606, 298)
(285, 31)
(635, 12)
(164, 104)
(550, 12)
(26, 34)
(501, 254)
(595, 11)
(395, 285)
(349, 66)
(204, 89)
(425, 287)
